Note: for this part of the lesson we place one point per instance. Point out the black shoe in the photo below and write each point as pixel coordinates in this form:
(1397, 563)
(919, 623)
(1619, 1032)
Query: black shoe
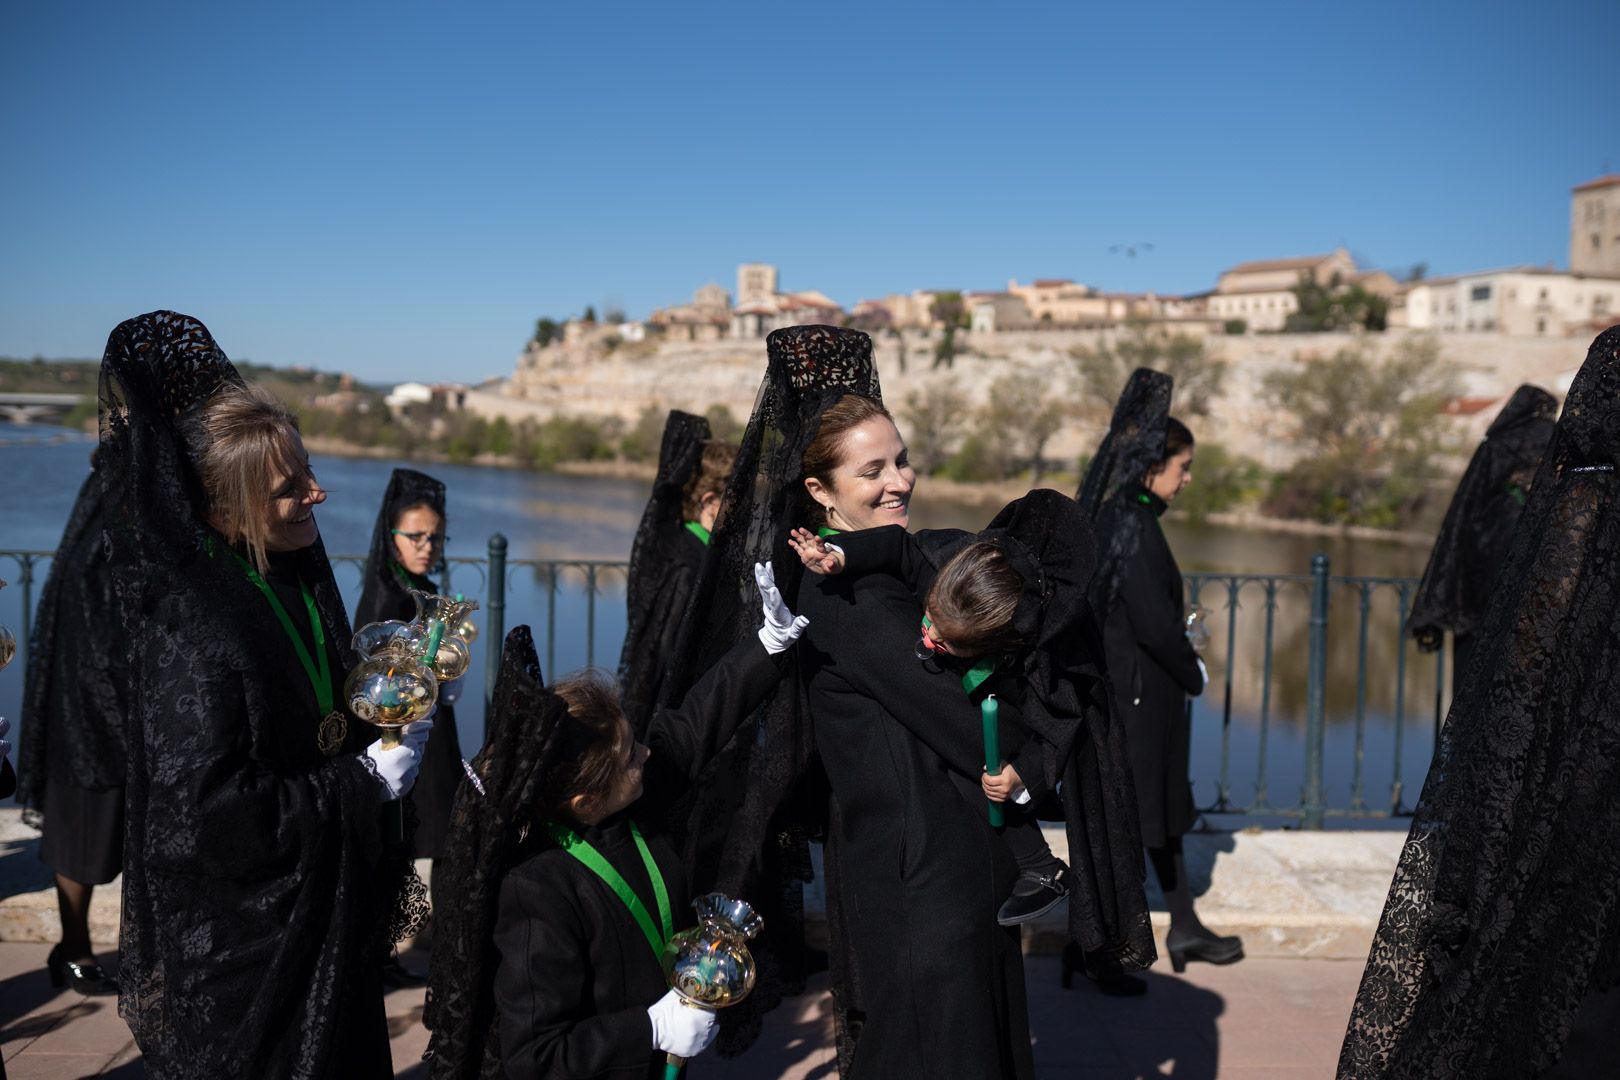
(1034, 894)
(88, 979)
(396, 976)
(1111, 979)
(1208, 947)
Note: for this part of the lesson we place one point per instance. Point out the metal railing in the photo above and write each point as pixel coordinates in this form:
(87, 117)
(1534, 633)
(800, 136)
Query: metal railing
(1243, 695)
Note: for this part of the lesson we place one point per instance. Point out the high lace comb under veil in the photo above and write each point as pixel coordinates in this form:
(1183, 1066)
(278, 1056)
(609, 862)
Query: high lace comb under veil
(1135, 439)
(1457, 578)
(1500, 918)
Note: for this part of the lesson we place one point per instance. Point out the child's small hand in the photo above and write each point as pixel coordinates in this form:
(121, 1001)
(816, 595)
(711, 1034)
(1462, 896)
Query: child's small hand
(1002, 786)
(818, 556)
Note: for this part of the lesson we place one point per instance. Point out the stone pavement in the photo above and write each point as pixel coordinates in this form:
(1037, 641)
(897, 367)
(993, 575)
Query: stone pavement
(1262, 1018)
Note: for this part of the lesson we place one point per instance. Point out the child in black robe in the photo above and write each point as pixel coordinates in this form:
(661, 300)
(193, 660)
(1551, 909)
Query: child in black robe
(546, 969)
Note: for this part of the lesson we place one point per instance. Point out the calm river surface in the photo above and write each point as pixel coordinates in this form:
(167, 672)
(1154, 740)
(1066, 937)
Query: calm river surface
(566, 517)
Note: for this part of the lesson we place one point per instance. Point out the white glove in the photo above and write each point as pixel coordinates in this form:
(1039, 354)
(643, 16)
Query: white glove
(782, 628)
(1204, 671)
(396, 766)
(450, 692)
(680, 1029)
(5, 744)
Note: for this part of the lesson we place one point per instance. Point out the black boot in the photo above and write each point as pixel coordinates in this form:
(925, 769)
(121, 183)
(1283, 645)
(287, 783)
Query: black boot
(1034, 894)
(1201, 944)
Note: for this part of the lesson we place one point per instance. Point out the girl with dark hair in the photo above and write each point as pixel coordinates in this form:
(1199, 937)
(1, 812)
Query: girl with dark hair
(255, 906)
(407, 544)
(1144, 462)
(565, 889)
(71, 776)
(668, 554)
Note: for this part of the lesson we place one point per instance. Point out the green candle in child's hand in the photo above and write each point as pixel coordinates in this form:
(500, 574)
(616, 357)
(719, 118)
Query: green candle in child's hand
(990, 712)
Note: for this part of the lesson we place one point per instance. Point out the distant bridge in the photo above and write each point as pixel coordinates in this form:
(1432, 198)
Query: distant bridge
(29, 408)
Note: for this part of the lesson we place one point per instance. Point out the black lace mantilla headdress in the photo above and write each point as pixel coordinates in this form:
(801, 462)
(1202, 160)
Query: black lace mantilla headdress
(1501, 917)
(1479, 523)
(530, 740)
(1134, 444)
(640, 668)
(384, 593)
(1049, 543)
(745, 830)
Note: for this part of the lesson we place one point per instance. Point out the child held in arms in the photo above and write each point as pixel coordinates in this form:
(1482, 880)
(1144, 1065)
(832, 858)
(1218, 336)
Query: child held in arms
(970, 606)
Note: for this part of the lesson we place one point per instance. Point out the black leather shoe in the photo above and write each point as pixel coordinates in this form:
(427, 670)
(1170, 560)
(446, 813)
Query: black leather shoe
(1208, 947)
(1108, 978)
(87, 978)
(1034, 895)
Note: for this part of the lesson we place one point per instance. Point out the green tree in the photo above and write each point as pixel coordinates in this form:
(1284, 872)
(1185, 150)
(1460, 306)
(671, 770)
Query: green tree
(1335, 306)
(546, 331)
(590, 314)
(1221, 481)
(935, 417)
(1101, 372)
(947, 308)
(1369, 432)
(722, 425)
(646, 436)
(500, 436)
(1022, 406)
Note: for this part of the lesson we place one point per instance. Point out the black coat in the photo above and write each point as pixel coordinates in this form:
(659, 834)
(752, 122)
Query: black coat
(576, 974)
(1153, 668)
(663, 589)
(921, 872)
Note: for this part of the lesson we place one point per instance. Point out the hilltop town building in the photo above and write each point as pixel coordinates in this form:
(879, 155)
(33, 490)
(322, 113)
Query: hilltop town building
(1522, 300)
(1261, 294)
(755, 282)
(1594, 227)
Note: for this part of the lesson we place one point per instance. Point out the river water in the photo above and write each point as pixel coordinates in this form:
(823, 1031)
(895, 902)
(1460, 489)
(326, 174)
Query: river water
(549, 517)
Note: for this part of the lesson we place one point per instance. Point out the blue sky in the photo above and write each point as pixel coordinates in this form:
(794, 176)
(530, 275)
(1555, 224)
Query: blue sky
(401, 189)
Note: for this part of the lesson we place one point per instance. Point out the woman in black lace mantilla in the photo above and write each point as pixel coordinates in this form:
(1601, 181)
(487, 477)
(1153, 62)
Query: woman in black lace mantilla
(1473, 539)
(1500, 935)
(255, 913)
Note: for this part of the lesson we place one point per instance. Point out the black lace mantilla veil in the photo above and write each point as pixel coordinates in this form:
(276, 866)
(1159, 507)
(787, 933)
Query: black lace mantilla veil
(746, 828)
(1502, 913)
(73, 726)
(1133, 445)
(1479, 523)
(253, 905)
(1050, 544)
(383, 590)
(657, 588)
(525, 743)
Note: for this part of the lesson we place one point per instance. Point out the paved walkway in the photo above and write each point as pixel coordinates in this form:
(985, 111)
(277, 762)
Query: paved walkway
(1263, 1018)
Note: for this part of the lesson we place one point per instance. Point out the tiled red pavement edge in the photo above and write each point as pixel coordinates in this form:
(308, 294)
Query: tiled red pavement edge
(1277, 1018)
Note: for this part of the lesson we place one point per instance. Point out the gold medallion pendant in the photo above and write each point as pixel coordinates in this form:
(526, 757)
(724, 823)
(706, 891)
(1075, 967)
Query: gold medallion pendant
(334, 729)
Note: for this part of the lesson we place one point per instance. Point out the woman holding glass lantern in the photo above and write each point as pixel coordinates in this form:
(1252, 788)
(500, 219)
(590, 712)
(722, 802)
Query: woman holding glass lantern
(255, 914)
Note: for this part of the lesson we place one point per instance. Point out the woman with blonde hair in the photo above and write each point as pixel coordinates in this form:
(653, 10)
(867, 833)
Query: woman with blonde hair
(255, 911)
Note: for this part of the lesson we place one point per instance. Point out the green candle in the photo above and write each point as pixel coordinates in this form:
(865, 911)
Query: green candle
(435, 635)
(989, 711)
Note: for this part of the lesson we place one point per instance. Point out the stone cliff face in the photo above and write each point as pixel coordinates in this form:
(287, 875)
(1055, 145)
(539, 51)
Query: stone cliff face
(584, 378)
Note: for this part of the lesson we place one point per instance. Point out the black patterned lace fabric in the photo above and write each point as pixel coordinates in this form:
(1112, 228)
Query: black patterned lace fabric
(253, 910)
(528, 739)
(1479, 523)
(1134, 444)
(383, 595)
(1502, 914)
(747, 826)
(659, 584)
(73, 692)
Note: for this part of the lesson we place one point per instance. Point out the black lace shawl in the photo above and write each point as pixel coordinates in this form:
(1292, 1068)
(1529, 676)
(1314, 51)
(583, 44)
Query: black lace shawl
(1478, 526)
(1502, 915)
(73, 692)
(1067, 704)
(383, 593)
(528, 738)
(659, 583)
(745, 830)
(251, 898)
(1133, 445)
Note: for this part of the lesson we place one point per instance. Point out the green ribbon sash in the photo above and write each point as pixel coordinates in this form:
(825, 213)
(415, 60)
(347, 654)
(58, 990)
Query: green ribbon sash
(320, 675)
(581, 849)
(698, 531)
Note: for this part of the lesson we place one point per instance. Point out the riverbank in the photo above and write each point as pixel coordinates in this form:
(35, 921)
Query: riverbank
(990, 495)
